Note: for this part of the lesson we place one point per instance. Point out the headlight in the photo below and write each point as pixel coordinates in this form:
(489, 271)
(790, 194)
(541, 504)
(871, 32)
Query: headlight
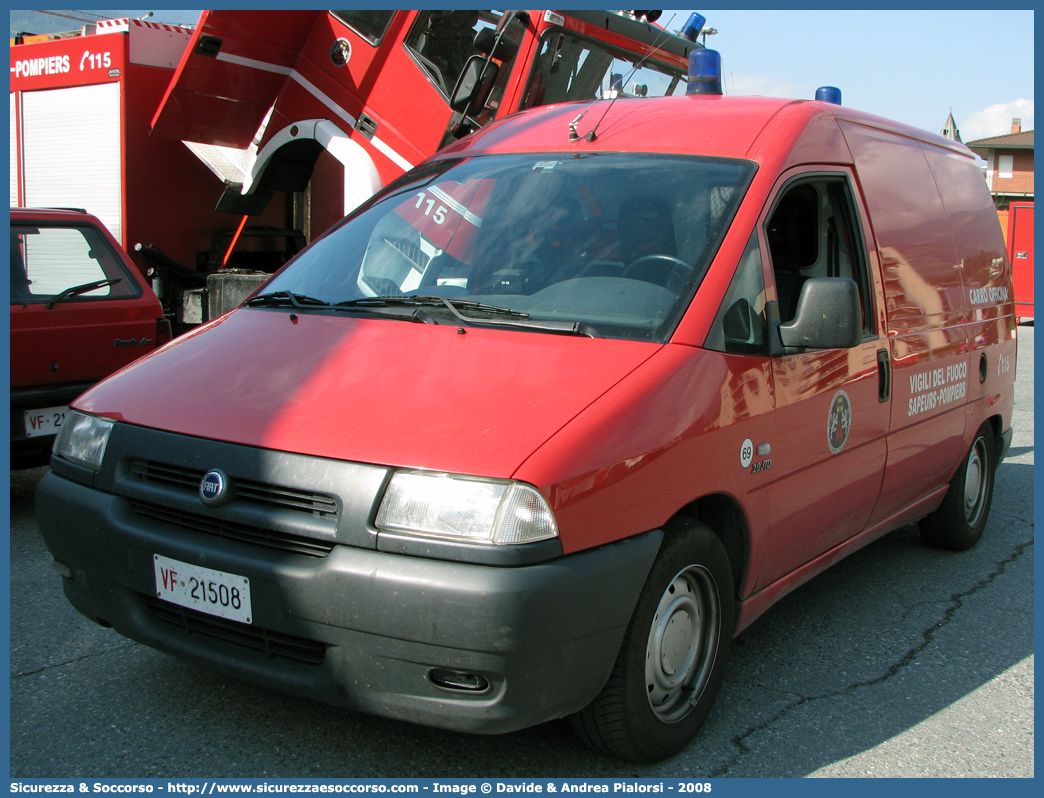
(465, 508)
(83, 439)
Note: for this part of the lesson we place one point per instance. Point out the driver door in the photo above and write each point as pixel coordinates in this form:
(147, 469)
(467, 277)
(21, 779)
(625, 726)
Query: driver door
(832, 405)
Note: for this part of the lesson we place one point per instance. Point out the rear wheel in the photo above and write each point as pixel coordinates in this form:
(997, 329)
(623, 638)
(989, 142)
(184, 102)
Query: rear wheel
(961, 518)
(673, 656)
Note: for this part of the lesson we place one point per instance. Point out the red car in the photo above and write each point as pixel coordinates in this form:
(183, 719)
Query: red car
(80, 310)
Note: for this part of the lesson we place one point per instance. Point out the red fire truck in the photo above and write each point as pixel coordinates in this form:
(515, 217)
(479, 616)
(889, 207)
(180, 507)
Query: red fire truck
(80, 111)
(1020, 253)
(299, 115)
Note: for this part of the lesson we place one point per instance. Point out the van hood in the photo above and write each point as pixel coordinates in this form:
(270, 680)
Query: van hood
(468, 400)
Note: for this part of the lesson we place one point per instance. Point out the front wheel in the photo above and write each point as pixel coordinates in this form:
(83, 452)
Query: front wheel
(674, 653)
(961, 518)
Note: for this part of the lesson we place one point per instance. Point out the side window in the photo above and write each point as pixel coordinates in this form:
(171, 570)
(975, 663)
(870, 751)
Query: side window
(441, 42)
(813, 231)
(741, 321)
(45, 261)
(371, 25)
(513, 33)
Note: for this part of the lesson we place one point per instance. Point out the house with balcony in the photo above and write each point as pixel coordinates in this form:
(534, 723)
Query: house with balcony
(1009, 164)
(1009, 168)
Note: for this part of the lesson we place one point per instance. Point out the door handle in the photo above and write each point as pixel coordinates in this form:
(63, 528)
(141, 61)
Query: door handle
(884, 376)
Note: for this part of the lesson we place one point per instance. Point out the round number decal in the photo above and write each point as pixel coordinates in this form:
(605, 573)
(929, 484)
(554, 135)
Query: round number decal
(747, 453)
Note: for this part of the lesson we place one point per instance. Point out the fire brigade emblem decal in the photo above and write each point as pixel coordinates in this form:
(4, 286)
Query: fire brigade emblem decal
(839, 422)
(340, 52)
(213, 489)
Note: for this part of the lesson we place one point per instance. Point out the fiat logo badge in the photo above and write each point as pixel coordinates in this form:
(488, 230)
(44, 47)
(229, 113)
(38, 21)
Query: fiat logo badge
(213, 489)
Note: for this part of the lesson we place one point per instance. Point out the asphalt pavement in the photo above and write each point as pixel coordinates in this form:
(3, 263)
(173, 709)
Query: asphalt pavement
(902, 660)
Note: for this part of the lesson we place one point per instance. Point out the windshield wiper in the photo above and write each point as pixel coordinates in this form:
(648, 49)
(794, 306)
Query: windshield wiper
(76, 290)
(495, 315)
(506, 317)
(286, 298)
(304, 302)
(454, 305)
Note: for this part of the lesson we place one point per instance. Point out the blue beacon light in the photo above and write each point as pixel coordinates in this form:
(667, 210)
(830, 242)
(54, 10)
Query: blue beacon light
(704, 72)
(691, 29)
(829, 94)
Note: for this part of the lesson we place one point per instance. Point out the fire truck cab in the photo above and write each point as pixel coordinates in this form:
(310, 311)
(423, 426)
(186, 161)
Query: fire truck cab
(215, 154)
(326, 107)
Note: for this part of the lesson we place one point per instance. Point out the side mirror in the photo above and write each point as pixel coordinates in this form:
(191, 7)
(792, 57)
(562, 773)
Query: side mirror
(828, 316)
(469, 88)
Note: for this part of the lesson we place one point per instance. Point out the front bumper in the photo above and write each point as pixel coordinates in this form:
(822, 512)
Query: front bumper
(362, 628)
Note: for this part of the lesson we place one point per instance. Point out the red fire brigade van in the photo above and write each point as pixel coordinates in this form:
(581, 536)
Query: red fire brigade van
(79, 311)
(536, 431)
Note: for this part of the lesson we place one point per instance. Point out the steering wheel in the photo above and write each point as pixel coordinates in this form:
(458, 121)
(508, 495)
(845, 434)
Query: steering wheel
(663, 270)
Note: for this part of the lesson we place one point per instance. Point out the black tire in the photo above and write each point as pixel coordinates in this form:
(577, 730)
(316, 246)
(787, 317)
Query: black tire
(958, 523)
(652, 706)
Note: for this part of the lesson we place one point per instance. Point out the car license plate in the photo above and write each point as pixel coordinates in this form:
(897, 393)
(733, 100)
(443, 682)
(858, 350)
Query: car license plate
(45, 421)
(203, 589)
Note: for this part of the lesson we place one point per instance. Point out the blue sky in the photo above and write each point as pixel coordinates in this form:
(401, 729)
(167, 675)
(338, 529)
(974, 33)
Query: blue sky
(912, 66)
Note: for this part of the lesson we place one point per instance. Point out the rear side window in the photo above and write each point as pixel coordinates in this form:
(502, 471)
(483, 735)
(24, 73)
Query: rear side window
(47, 261)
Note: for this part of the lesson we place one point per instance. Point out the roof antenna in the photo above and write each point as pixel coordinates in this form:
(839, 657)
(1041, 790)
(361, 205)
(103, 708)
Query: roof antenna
(656, 46)
(573, 136)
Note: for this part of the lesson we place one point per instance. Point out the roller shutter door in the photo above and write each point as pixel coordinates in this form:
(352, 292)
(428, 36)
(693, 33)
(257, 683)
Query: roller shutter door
(71, 144)
(14, 151)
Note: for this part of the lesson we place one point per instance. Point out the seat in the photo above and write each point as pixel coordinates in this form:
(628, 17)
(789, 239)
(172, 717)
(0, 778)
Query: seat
(649, 244)
(793, 246)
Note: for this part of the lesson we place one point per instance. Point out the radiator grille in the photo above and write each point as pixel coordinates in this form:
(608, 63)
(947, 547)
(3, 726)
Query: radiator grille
(243, 533)
(276, 496)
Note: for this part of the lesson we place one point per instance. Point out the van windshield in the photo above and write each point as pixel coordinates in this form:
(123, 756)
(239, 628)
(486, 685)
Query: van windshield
(617, 243)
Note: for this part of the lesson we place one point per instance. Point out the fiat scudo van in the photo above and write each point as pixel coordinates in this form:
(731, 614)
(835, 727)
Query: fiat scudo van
(539, 429)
